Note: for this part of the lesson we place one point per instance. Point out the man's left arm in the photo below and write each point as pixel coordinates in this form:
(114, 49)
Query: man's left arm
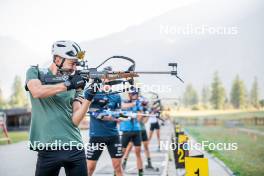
(81, 105)
(80, 108)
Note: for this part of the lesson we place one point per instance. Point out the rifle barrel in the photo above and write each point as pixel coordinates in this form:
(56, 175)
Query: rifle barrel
(153, 72)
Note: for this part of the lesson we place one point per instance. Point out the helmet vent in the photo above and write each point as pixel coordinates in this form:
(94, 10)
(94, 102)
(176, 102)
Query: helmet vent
(70, 53)
(60, 45)
(75, 48)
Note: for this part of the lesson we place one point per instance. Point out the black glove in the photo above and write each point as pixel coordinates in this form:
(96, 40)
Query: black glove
(90, 93)
(75, 82)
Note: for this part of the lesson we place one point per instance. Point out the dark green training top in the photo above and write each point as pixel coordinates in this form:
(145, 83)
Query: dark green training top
(51, 118)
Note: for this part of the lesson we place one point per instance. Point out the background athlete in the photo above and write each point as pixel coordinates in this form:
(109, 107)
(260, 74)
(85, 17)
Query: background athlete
(103, 129)
(144, 136)
(154, 125)
(131, 130)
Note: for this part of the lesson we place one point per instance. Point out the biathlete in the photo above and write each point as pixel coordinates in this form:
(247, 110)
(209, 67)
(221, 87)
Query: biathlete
(131, 130)
(144, 136)
(103, 129)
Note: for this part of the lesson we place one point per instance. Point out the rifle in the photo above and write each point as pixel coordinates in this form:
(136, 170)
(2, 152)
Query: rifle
(113, 77)
(125, 115)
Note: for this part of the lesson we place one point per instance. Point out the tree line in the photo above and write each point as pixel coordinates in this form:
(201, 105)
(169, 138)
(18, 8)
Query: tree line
(18, 96)
(215, 96)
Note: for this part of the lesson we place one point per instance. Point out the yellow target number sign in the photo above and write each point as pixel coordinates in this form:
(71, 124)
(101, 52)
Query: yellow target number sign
(196, 166)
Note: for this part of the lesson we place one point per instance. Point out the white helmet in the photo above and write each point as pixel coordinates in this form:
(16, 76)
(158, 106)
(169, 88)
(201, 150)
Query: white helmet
(67, 49)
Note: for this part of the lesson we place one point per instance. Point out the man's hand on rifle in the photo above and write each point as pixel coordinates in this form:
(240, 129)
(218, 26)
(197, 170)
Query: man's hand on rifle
(90, 92)
(75, 82)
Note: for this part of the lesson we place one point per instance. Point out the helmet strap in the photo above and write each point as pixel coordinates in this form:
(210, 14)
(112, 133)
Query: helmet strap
(62, 62)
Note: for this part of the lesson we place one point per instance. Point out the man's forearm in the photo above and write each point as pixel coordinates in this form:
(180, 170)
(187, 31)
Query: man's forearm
(38, 90)
(81, 112)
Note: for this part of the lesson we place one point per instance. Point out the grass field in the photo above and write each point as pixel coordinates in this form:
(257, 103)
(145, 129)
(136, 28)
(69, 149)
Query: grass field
(247, 160)
(230, 114)
(15, 136)
(258, 128)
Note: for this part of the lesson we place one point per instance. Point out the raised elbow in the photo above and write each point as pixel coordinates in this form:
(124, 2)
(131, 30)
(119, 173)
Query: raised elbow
(36, 95)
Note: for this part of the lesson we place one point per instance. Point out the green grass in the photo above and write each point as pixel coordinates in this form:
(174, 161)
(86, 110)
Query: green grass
(226, 115)
(15, 136)
(258, 128)
(248, 160)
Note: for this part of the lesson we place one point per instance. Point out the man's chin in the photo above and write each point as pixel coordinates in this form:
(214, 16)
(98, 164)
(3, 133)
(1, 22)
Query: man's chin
(68, 70)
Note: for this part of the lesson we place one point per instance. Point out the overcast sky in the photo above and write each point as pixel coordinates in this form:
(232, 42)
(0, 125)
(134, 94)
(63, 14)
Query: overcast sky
(36, 24)
(39, 23)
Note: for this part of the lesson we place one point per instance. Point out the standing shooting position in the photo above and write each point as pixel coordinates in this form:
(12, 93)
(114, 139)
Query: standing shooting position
(103, 128)
(57, 110)
(144, 137)
(154, 121)
(132, 131)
